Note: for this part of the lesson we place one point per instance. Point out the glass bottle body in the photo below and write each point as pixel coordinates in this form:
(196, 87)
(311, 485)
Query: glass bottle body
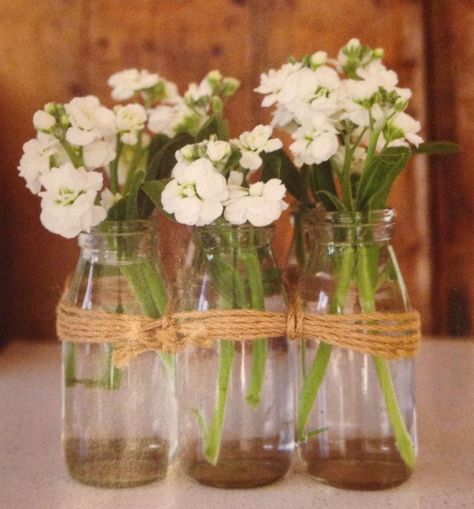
(236, 398)
(357, 424)
(119, 423)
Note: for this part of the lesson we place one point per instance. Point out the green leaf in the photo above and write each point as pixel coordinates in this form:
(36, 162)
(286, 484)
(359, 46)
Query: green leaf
(153, 190)
(322, 186)
(164, 160)
(118, 211)
(436, 147)
(278, 165)
(132, 196)
(378, 178)
(157, 143)
(331, 201)
(201, 422)
(315, 432)
(217, 125)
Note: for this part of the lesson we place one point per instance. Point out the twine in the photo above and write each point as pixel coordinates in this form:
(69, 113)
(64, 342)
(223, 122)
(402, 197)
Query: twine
(388, 335)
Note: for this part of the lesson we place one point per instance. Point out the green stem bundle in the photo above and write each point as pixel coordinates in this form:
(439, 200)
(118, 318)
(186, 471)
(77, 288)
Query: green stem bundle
(359, 263)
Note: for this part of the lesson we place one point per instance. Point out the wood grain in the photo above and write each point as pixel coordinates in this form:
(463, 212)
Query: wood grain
(450, 46)
(57, 49)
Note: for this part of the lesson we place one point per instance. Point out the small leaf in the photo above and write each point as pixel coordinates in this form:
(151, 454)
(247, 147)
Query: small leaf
(316, 432)
(378, 178)
(118, 211)
(201, 422)
(153, 190)
(330, 201)
(216, 125)
(132, 196)
(322, 186)
(436, 147)
(278, 165)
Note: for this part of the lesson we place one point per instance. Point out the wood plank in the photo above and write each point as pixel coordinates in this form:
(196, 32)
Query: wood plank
(39, 47)
(450, 49)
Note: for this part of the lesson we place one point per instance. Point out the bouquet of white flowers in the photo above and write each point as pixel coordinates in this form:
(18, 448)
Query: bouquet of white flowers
(88, 162)
(351, 139)
(213, 183)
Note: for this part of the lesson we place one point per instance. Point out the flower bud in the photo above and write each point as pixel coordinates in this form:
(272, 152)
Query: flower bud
(318, 58)
(43, 121)
(230, 85)
(378, 53)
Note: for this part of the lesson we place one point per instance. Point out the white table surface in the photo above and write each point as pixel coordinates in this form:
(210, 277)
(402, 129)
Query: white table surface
(32, 474)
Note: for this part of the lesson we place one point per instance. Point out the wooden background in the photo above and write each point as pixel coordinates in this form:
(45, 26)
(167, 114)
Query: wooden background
(57, 49)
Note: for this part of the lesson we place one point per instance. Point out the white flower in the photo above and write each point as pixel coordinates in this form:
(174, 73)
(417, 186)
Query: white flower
(252, 143)
(196, 194)
(108, 199)
(360, 90)
(130, 119)
(218, 150)
(90, 120)
(261, 205)
(282, 117)
(164, 119)
(378, 75)
(68, 202)
(274, 81)
(186, 154)
(198, 91)
(403, 127)
(315, 142)
(125, 83)
(98, 154)
(301, 84)
(361, 116)
(35, 160)
(43, 121)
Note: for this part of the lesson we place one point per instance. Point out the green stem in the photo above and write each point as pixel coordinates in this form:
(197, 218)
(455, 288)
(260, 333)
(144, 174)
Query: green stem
(311, 384)
(76, 159)
(313, 379)
(156, 286)
(114, 185)
(69, 364)
(137, 155)
(259, 346)
(212, 442)
(228, 299)
(402, 436)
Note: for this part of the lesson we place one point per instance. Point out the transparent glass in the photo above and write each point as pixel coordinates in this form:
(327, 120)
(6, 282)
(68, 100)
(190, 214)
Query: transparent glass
(356, 423)
(235, 397)
(119, 424)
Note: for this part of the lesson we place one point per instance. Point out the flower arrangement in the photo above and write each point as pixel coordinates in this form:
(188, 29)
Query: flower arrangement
(88, 162)
(351, 138)
(213, 183)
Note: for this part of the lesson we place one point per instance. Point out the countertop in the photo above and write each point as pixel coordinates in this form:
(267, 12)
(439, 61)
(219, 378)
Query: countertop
(32, 474)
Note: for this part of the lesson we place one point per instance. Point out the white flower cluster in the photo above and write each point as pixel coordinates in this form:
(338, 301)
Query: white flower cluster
(199, 193)
(320, 101)
(73, 141)
(189, 113)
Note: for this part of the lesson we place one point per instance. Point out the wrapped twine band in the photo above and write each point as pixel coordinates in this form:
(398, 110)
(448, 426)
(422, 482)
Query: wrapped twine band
(389, 335)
